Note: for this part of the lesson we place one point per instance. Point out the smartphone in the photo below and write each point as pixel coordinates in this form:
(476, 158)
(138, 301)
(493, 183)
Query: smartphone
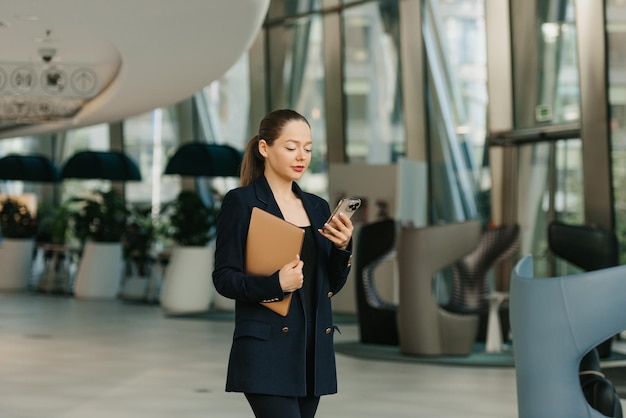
(347, 205)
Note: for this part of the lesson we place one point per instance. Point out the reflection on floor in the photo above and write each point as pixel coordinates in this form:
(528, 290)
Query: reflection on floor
(66, 358)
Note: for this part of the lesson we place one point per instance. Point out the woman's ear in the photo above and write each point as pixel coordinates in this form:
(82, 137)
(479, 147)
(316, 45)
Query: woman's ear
(263, 147)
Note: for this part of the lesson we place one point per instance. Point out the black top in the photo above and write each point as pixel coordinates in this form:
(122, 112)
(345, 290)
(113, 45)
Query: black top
(309, 257)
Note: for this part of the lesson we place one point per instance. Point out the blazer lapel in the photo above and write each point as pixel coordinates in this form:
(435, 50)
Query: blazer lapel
(264, 194)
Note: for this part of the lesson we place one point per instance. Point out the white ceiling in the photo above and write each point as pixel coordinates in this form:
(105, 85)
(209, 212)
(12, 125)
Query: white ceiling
(156, 52)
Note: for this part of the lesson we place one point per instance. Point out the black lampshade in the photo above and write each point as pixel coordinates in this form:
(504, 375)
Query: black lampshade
(200, 159)
(36, 168)
(107, 165)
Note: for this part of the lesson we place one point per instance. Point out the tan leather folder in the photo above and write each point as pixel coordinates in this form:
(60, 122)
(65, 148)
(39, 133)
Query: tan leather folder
(272, 242)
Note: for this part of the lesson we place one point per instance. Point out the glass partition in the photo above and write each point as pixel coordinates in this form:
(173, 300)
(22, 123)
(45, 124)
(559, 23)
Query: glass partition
(223, 110)
(223, 107)
(149, 139)
(287, 8)
(547, 87)
(558, 71)
(454, 37)
(372, 83)
(550, 187)
(616, 44)
(296, 77)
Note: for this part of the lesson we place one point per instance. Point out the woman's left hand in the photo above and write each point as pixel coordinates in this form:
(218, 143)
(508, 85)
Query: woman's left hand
(338, 231)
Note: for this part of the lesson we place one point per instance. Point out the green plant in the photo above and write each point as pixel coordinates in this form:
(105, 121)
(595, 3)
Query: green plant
(53, 223)
(100, 217)
(138, 239)
(16, 221)
(192, 223)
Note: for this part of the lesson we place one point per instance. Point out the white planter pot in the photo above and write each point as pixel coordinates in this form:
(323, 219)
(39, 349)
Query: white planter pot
(100, 271)
(134, 285)
(16, 263)
(187, 282)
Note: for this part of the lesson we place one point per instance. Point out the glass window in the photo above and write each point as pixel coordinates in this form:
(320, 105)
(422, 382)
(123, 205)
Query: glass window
(148, 140)
(454, 37)
(537, 200)
(372, 83)
(223, 110)
(287, 8)
(553, 66)
(301, 79)
(224, 107)
(558, 72)
(616, 44)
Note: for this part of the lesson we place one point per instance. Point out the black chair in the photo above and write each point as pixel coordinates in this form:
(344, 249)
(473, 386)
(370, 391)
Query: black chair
(377, 318)
(588, 248)
(598, 390)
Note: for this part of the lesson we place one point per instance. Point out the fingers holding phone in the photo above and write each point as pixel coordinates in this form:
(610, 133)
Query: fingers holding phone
(338, 228)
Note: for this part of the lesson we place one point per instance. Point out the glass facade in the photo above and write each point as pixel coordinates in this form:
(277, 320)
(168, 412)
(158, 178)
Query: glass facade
(223, 107)
(616, 39)
(550, 176)
(296, 81)
(372, 83)
(295, 54)
(149, 140)
(454, 37)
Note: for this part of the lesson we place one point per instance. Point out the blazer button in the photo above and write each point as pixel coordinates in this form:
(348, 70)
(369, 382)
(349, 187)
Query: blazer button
(285, 330)
(328, 330)
(330, 294)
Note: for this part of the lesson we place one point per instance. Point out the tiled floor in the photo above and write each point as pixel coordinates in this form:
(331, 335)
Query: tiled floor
(66, 358)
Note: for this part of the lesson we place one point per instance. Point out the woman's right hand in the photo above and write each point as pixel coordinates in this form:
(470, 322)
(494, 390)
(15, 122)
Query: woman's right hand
(290, 275)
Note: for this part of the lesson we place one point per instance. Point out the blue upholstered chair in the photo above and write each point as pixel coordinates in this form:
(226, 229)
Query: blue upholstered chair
(555, 322)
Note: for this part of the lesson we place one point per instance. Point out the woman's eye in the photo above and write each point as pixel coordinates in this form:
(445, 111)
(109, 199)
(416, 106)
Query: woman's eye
(290, 149)
(308, 150)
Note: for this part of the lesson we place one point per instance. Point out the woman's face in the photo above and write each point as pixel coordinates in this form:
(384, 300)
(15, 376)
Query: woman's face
(290, 154)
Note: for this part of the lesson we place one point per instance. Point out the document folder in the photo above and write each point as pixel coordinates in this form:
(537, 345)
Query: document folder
(272, 242)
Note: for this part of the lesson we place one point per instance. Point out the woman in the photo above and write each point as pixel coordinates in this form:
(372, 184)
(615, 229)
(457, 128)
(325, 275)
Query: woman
(282, 364)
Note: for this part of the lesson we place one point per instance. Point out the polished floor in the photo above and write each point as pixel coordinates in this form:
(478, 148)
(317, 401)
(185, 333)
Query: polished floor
(66, 358)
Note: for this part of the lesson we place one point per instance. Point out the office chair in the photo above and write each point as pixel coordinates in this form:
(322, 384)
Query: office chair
(424, 327)
(377, 317)
(588, 248)
(555, 322)
(470, 288)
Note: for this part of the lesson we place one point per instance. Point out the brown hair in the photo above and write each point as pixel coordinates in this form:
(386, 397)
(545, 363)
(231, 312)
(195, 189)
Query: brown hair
(270, 128)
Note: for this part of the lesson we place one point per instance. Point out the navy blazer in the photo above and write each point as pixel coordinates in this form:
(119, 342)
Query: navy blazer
(268, 350)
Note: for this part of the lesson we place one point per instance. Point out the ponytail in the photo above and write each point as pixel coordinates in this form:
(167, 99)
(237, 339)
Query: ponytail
(270, 128)
(252, 164)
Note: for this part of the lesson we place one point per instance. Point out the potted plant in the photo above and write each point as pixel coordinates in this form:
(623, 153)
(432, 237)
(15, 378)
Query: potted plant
(53, 253)
(99, 223)
(137, 249)
(53, 223)
(18, 227)
(187, 283)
